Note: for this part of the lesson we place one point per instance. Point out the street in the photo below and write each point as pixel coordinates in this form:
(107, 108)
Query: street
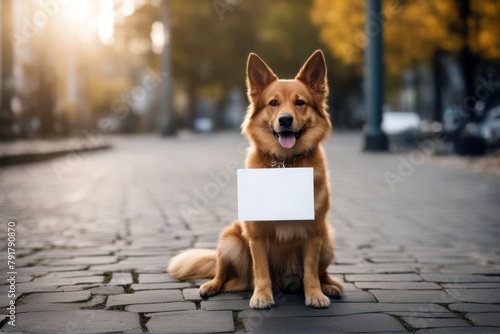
(417, 243)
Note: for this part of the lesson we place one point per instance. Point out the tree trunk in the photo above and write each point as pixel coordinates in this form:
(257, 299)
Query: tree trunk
(468, 61)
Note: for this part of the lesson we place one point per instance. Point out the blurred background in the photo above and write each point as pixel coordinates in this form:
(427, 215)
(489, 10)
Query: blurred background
(138, 66)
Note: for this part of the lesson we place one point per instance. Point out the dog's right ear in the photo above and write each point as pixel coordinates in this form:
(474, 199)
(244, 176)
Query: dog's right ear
(259, 76)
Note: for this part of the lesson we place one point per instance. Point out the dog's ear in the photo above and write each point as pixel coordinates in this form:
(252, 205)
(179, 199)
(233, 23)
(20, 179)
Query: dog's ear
(259, 75)
(313, 72)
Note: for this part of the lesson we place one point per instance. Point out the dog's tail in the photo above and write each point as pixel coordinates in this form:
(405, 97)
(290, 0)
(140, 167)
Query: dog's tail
(193, 263)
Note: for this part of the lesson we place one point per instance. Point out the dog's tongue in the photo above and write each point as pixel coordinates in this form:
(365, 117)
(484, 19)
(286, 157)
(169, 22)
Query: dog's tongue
(287, 139)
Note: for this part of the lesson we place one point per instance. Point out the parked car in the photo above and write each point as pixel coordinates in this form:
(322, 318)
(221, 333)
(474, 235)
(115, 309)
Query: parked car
(464, 132)
(401, 126)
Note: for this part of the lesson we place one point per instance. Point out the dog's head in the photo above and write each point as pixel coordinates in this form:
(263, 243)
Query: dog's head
(287, 117)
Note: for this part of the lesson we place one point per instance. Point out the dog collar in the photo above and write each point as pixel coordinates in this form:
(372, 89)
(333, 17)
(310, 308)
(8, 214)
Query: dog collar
(280, 163)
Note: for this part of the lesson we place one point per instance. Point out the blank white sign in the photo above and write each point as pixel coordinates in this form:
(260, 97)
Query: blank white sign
(276, 194)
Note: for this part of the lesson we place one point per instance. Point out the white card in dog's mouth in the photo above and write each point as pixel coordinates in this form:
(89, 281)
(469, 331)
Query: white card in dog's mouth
(276, 194)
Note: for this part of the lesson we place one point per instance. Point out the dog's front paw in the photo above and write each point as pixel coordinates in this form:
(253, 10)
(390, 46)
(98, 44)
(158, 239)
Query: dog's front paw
(317, 300)
(210, 288)
(261, 300)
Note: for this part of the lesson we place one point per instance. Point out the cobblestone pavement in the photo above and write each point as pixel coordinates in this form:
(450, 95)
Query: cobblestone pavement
(94, 234)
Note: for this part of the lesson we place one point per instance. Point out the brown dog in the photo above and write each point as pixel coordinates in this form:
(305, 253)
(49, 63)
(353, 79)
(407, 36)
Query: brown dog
(286, 123)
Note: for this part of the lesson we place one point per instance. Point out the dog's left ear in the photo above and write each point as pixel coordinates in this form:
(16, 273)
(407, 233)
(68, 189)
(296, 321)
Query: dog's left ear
(313, 72)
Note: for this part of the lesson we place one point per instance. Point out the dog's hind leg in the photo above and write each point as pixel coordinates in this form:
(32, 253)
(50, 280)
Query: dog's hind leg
(233, 264)
(329, 285)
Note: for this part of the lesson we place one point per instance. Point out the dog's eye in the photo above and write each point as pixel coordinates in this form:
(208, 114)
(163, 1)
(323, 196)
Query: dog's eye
(299, 103)
(273, 103)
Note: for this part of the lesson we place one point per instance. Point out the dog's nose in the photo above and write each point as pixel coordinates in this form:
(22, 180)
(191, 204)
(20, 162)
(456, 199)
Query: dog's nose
(285, 120)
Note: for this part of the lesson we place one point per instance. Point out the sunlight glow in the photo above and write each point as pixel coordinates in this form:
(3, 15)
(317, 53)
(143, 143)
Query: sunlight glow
(106, 24)
(158, 37)
(77, 12)
(127, 8)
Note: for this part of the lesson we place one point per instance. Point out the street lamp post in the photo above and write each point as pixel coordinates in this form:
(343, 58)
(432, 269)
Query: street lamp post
(375, 138)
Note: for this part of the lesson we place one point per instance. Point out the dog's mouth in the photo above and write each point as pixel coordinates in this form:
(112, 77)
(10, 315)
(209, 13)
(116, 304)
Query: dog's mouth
(287, 139)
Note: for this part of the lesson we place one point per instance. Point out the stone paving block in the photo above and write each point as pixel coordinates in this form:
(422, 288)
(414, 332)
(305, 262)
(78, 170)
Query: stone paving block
(349, 286)
(71, 274)
(176, 244)
(115, 267)
(162, 307)
(237, 304)
(142, 251)
(485, 319)
(384, 278)
(476, 295)
(391, 259)
(107, 290)
(42, 307)
(469, 307)
(68, 280)
(441, 259)
(160, 286)
(195, 322)
(191, 294)
(155, 314)
(121, 279)
(411, 296)
(31, 287)
(70, 253)
(42, 270)
(471, 285)
(156, 278)
(57, 297)
(355, 296)
(424, 314)
(370, 269)
(79, 287)
(80, 321)
(86, 260)
(145, 297)
(448, 278)
(468, 269)
(398, 285)
(359, 323)
(231, 296)
(420, 323)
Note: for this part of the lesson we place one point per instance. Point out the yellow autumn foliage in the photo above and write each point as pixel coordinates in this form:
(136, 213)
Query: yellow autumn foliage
(412, 29)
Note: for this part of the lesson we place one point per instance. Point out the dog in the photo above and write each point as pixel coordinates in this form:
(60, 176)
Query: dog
(286, 123)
